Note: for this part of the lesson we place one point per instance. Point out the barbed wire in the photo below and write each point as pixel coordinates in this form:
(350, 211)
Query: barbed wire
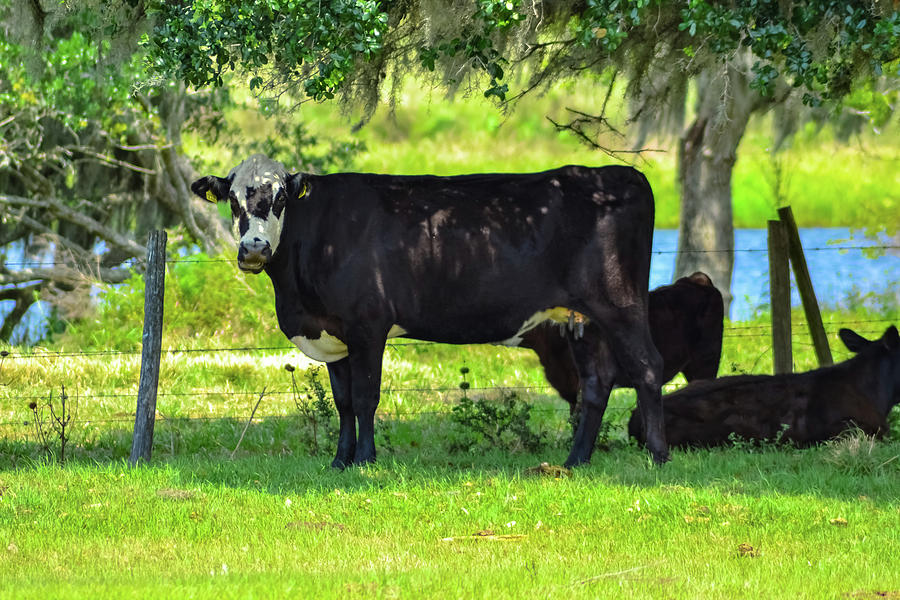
(256, 393)
(757, 331)
(130, 262)
(387, 415)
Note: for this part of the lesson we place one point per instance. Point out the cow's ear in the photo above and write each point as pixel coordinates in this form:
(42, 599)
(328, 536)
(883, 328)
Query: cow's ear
(853, 340)
(212, 189)
(701, 278)
(297, 187)
(891, 339)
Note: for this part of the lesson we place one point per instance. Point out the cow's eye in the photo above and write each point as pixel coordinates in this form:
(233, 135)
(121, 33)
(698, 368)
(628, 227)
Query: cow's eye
(278, 205)
(235, 207)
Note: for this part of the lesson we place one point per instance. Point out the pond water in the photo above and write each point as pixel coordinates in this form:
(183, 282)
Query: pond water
(842, 274)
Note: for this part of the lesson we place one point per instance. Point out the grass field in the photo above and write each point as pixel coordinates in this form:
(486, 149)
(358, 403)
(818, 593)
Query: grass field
(723, 524)
(442, 514)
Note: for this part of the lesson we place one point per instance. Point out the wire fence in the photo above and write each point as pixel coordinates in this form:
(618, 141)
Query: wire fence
(36, 264)
(739, 331)
(761, 331)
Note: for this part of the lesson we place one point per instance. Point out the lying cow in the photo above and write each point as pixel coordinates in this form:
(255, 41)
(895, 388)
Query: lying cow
(356, 259)
(686, 326)
(811, 407)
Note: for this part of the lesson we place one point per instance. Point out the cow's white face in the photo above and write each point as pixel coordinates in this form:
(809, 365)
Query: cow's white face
(257, 190)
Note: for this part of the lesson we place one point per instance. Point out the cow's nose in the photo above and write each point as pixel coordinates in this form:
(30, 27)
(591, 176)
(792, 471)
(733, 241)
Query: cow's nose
(253, 255)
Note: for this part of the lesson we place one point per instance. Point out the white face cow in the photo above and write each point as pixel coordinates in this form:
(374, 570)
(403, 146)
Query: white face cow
(257, 190)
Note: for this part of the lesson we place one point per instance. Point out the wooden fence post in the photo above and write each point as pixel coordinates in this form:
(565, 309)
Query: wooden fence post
(804, 285)
(780, 294)
(154, 294)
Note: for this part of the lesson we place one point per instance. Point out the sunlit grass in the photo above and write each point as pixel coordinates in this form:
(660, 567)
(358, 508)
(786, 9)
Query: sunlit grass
(720, 524)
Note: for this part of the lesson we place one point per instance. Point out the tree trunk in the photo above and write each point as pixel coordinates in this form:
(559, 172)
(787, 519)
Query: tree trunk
(706, 156)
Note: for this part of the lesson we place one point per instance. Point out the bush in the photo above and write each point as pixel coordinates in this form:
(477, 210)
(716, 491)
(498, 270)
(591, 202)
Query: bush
(485, 424)
(208, 301)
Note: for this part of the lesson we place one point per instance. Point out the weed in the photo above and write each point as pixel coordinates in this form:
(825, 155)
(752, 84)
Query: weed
(315, 408)
(56, 425)
(751, 445)
(855, 453)
(494, 424)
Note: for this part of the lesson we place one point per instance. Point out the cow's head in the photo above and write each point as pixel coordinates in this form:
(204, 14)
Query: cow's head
(258, 191)
(885, 352)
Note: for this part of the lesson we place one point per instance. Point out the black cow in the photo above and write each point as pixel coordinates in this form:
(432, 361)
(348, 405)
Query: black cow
(686, 326)
(812, 406)
(356, 259)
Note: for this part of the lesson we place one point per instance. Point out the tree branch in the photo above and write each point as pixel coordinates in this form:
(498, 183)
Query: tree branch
(73, 216)
(65, 275)
(24, 298)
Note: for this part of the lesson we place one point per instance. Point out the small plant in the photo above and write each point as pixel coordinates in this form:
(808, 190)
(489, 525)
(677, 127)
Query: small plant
(57, 424)
(315, 408)
(501, 423)
(751, 445)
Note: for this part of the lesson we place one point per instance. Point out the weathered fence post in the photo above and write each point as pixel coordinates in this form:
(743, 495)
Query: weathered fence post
(780, 294)
(154, 294)
(805, 287)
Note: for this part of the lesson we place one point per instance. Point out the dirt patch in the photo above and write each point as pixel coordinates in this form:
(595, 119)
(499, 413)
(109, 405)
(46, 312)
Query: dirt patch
(176, 494)
(315, 525)
(548, 470)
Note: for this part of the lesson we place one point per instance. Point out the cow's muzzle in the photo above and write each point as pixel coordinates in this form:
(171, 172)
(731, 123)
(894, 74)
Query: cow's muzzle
(254, 255)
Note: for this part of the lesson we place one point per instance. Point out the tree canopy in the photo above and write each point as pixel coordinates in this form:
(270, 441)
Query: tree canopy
(348, 46)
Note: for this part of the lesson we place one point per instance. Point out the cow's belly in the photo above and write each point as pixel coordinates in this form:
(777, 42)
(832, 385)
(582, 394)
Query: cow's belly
(327, 348)
(558, 314)
(487, 330)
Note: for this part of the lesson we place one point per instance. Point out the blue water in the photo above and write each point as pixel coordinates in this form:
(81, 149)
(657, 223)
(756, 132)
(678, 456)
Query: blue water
(840, 277)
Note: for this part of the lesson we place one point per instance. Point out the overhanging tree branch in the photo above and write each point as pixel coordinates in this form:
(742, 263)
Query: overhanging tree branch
(68, 214)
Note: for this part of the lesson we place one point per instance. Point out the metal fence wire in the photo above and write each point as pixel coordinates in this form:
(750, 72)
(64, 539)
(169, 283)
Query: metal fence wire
(12, 358)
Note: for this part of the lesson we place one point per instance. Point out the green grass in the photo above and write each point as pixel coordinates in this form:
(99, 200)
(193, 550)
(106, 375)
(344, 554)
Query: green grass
(275, 521)
(719, 524)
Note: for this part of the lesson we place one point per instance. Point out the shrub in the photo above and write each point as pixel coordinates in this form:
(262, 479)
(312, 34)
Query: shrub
(208, 302)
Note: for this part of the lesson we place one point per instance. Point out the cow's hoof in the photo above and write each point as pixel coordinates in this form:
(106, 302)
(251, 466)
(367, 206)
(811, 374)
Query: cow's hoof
(339, 464)
(363, 460)
(575, 461)
(660, 458)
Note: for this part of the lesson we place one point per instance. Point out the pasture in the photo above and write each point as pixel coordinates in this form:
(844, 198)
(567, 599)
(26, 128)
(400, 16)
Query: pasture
(448, 511)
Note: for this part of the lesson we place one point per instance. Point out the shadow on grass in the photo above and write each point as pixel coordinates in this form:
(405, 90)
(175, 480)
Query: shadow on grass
(279, 456)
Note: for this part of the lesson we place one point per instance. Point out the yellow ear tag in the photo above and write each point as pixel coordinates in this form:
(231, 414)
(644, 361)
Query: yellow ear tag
(210, 197)
(304, 190)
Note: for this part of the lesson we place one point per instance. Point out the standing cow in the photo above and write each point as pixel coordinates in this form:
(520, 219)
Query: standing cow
(811, 407)
(685, 324)
(356, 259)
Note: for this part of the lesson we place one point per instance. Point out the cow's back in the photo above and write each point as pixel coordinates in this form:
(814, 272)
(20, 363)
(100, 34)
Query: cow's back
(803, 408)
(686, 321)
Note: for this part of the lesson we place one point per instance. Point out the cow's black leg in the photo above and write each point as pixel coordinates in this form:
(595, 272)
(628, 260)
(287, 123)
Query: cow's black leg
(339, 374)
(629, 339)
(596, 370)
(365, 373)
